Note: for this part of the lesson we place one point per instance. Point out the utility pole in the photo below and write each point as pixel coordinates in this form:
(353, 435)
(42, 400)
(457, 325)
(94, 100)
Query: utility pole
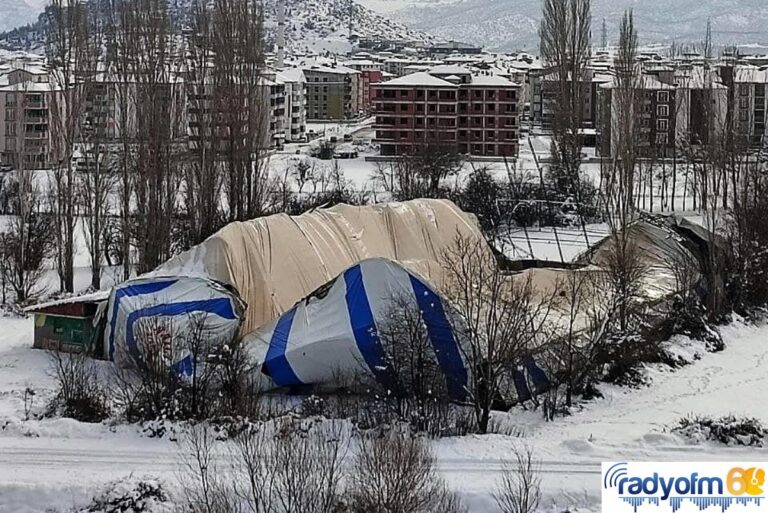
(604, 38)
(351, 18)
(280, 34)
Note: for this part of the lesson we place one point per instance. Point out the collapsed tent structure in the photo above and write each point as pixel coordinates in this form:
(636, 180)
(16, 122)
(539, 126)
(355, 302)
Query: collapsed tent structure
(160, 311)
(275, 261)
(251, 273)
(665, 257)
(308, 295)
(334, 334)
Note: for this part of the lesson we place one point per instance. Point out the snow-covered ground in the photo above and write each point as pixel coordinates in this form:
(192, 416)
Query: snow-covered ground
(60, 463)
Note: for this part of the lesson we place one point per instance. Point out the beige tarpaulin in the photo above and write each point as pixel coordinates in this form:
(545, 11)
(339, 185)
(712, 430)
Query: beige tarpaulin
(275, 261)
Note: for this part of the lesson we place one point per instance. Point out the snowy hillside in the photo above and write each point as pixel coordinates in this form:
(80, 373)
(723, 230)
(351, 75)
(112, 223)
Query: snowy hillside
(15, 13)
(324, 25)
(513, 24)
(312, 25)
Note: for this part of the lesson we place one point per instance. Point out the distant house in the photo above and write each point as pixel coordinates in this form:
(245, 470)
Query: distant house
(454, 47)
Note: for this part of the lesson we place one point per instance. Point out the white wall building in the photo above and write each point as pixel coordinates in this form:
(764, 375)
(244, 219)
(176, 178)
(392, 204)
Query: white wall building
(295, 122)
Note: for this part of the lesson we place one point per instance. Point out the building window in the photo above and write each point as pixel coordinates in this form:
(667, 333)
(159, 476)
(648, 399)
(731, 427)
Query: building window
(661, 139)
(744, 89)
(662, 125)
(743, 115)
(662, 111)
(744, 103)
(663, 97)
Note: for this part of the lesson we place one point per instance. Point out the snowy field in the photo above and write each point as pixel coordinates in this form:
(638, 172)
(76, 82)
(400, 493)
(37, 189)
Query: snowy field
(60, 463)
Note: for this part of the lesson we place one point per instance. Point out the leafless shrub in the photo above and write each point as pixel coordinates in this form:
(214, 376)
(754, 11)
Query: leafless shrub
(519, 487)
(80, 394)
(29, 401)
(283, 466)
(420, 173)
(394, 472)
(418, 392)
(185, 374)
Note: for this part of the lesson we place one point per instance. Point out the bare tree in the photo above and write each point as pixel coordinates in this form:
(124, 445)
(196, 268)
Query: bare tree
(499, 316)
(416, 388)
(119, 71)
(747, 234)
(240, 103)
(519, 488)
(27, 239)
(711, 153)
(96, 180)
(153, 63)
(202, 183)
(565, 46)
(71, 54)
(624, 264)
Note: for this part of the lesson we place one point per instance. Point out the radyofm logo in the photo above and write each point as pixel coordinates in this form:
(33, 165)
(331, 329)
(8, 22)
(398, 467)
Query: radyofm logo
(684, 487)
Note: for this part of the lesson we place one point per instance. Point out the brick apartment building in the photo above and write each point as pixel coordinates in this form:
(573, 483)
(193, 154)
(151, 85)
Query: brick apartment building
(448, 106)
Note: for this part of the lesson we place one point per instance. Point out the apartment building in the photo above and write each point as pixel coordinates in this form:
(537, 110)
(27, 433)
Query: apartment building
(331, 92)
(544, 95)
(750, 101)
(676, 105)
(25, 129)
(273, 96)
(656, 124)
(450, 107)
(295, 122)
(371, 73)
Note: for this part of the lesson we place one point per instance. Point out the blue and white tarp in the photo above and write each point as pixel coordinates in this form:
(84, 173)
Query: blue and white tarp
(163, 311)
(333, 334)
